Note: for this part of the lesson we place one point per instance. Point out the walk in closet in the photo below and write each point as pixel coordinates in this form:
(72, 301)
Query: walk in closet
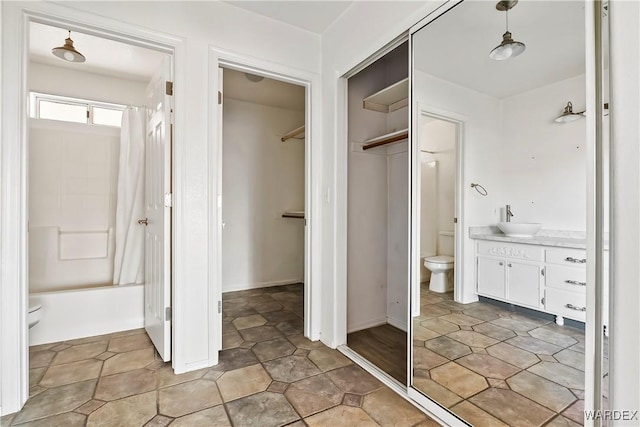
(378, 202)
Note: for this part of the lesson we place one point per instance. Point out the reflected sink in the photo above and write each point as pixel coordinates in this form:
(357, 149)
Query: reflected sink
(519, 229)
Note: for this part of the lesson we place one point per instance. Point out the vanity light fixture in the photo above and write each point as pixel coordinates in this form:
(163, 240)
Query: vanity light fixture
(509, 48)
(68, 52)
(568, 115)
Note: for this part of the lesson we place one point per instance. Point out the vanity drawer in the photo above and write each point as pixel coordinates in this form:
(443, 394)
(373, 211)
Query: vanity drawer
(566, 303)
(572, 279)
(507, 250)
(572, 257)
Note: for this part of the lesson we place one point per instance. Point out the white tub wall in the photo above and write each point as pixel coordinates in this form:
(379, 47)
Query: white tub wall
(67, 315)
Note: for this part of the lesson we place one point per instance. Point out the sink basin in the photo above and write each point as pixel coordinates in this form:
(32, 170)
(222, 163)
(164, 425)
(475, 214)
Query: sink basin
(519, 229)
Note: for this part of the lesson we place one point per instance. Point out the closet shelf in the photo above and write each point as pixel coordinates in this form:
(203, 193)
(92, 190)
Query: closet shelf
(294, 134)
(293, 214)
(389, 99)
(388, 138)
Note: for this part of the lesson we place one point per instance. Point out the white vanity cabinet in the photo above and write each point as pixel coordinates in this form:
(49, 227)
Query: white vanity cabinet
(566, 283)
(511, 273)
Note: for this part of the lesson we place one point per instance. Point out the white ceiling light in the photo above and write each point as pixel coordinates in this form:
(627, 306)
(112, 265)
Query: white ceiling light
(68, 52)
(509, 48)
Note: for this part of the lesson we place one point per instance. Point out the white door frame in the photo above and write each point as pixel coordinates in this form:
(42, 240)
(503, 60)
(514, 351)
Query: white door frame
(14, 171)
(222, 58)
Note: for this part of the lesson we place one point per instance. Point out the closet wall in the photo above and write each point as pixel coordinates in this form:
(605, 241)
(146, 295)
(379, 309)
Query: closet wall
(262, 178)
(377, 203)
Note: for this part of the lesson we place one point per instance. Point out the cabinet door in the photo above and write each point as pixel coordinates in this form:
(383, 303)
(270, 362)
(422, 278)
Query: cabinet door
(491, 277)
(523, 283)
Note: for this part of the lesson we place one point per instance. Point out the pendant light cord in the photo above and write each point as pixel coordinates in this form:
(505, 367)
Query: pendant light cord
(507, 12)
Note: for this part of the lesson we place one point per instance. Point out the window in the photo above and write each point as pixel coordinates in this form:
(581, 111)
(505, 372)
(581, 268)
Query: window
(53, 107)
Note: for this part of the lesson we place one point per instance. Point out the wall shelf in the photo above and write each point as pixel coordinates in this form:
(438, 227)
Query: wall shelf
(294, 134)
(389, 99)
(389, 138)
(293, 214)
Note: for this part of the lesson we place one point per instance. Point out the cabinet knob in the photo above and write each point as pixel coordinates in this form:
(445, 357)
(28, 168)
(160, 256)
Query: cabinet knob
(509, 265)
(575, 260)
(575, 282)
(573, 307)
(501, 263)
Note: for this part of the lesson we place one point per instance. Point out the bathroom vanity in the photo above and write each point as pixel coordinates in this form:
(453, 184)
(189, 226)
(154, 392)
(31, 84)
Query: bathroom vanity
(545, 273)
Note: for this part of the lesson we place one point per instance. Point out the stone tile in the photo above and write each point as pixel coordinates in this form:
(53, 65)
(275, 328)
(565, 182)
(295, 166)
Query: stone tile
(246, 322)
(544, 392)
(35, 390)
(553, 337)
(353, 379)
(483, 313)
(125, 384)
(496, 383)
(534, 345)
(428, 422)
(278, 387)
(127, 333)
(389, 409)
(458, 379)
(129, 343)
(131, 411)
(281, 316)
(6, 420)
(352, 400)
(546, 358)
(41, 359)
(80, 352)
(472, 339)
(313, 395)
(42, 347)
(267, 307)
(466, 328)
(301, 352)
(35, 375)
(104, 356)
(515, 324)
(512, 408)
(71, 373)
(236, 358)
(301, 341)
(215, 416)
(513, 355)
(68, 419)
(185, 398)
(90, 406)
(272, 349)
(292, 327)
(260, 333)
(435, 391)
(440, 326)
(327, 359)
(478, 350)
(575, 412)
(461, 319)
(247, 344)
(424, 358)
(476, 416)
(60, 347)
(243, 382)
(262, 409)
(231, 340)
(159, 421)
(571, 358)
(341, 416)
(56, 401)
(167, 377)
(241, 311)
(290, 368)
(578, 347)
(423, 334)
(561, 421)
(496, 332)
(488, 366)
(561, 374)
(128, 361)
(447, 347)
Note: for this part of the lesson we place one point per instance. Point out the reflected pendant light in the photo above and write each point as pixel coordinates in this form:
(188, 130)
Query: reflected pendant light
(568, 115)
(68, 52)
(509, 48)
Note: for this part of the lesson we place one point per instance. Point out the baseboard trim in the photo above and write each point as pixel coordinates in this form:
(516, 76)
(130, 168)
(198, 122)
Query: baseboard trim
(246, 287)
(396, 323)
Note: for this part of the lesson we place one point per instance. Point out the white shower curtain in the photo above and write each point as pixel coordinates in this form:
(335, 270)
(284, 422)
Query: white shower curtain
(129, 251)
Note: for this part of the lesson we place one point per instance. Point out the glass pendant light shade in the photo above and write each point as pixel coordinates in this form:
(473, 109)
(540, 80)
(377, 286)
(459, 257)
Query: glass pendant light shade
(67, 52)
(568, 115)
(509, 48)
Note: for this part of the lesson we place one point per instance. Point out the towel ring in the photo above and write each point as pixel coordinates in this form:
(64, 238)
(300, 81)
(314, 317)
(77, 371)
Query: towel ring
(480, 189)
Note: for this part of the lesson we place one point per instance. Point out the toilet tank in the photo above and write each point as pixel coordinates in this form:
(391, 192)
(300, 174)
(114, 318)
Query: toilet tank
(446, 243)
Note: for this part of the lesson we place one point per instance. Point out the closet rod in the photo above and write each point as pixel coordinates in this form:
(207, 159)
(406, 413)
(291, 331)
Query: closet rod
(395, 138)
(293, 133)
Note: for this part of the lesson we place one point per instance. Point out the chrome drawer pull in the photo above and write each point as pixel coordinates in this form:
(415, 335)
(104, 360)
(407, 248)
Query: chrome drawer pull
(576, 260)
(573, 307)
(575, 282)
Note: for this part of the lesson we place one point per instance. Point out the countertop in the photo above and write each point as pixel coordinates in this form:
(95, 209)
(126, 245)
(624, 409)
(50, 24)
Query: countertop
(557, 238)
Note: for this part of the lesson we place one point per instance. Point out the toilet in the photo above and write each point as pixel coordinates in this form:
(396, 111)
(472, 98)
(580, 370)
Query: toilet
(441, 265)
(35, 312)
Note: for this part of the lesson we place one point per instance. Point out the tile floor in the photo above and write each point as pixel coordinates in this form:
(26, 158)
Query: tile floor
(269, 375)
(496, 367)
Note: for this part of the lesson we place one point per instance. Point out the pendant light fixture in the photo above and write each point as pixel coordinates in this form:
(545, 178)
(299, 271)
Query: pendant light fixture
(509, 48)
(68, 52)
(568, 115)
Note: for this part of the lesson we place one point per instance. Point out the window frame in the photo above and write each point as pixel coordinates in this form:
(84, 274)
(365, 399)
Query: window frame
(36, 97)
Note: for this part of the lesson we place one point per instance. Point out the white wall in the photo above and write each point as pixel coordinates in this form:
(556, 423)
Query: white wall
(262, 178)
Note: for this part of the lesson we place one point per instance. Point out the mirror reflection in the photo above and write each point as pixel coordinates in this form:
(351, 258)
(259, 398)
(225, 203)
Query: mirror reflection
(498, 318)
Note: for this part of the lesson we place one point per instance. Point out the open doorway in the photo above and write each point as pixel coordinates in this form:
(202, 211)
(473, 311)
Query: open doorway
(264, 264)
(99, 174)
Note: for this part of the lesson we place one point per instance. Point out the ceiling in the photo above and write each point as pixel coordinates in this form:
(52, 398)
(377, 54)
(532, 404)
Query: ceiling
(315, 16)
(456, 46)
(104, 56)
(266, 92)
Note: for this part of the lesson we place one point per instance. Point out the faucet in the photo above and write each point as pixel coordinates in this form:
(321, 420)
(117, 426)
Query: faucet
(509, 213)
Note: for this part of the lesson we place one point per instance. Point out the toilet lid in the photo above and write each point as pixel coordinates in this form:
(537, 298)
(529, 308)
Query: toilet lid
(442, 259)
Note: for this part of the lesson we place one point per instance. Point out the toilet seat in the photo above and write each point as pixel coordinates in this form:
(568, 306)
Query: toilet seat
(440, 259)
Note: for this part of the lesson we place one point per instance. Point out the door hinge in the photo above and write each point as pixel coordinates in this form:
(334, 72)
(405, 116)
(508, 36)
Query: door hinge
(168, 88)
(542, 271)
(542, 301)
(168, 200)
(219, 97)
(455, 220)
(167, 314)
(219, 307)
